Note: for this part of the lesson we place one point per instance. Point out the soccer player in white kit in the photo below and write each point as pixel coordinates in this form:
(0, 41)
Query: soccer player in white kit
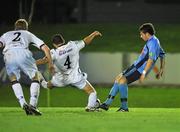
(18, 57)
(66, 61)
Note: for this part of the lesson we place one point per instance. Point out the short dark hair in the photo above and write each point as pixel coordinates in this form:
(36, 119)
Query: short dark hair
(147, 28)
(58, 39)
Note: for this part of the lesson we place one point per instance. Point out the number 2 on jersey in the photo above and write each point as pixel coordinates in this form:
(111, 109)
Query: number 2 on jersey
(17, 38)
(67, 62)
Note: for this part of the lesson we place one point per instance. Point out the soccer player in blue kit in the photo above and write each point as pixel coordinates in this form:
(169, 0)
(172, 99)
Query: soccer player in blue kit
(139, 69)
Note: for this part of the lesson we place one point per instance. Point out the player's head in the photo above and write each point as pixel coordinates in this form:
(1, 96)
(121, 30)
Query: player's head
(58, 40)
(21, 24)
(146, 31)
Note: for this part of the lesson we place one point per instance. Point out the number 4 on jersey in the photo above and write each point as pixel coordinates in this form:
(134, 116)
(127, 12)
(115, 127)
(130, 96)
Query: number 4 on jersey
(67, 62)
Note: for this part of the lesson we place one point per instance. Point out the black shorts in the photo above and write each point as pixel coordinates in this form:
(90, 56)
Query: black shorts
(131, 74)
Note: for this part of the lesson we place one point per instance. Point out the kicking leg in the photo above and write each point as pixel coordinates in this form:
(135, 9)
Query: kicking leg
(113, 92)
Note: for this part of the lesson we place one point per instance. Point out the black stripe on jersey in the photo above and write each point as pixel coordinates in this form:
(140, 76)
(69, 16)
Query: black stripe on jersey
(143, 60)
(42, 46)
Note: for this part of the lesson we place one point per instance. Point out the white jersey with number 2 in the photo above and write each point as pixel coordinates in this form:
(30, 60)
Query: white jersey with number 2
(17, 55)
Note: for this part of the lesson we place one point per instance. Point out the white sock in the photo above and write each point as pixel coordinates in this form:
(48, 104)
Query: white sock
(92, 99)
(44, 84)
(41, 78)
(19, 93)
(34, 91)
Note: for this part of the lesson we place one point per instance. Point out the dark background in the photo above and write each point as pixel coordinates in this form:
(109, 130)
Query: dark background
(90, 11)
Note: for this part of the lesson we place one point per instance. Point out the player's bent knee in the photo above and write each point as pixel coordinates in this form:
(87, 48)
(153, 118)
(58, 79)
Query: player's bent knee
(13, 78)
(89, 89)
(36, 77)
(121, 79)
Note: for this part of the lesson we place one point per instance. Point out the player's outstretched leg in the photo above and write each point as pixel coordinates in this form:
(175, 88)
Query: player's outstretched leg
(110, 98)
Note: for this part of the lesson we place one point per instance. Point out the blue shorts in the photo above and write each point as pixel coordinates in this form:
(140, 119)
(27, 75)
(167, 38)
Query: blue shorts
(131, 74)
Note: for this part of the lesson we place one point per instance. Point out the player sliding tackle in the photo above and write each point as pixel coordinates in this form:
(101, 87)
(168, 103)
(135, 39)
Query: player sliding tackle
(66, 60)
(139, 70)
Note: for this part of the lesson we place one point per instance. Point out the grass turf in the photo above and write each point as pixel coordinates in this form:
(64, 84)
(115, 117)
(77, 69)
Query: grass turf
(142, 97)
(77, 120)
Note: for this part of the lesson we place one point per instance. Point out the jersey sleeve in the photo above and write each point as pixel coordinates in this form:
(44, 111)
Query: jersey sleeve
(153, 50)
(53, 55)
(2, 43)
(36, 41)
(80, 44)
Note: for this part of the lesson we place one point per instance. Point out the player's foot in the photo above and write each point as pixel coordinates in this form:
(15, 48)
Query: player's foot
(104, 106)
(27, 109)
(122, 110)
(92, 109)
(35, 110)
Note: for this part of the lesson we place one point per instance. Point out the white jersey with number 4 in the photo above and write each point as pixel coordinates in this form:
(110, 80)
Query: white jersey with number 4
(17, 55)
(66, 60)
(66, 57)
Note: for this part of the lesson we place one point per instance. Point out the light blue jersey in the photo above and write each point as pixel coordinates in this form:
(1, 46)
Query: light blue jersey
(151, 50)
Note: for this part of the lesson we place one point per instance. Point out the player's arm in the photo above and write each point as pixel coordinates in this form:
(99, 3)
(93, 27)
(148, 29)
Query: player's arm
(162, 63)
(46, 50)
(156, 71)
(42, 61)
(161, 70)
(147, 68)
(87, 40)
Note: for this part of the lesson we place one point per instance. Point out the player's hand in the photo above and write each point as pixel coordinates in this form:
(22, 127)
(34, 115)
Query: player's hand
(97, 33)
(159, 74)
(142, 77)
(51, 69)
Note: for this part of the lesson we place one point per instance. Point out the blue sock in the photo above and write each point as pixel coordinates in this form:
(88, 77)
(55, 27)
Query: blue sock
(123, 89)
(112, 94)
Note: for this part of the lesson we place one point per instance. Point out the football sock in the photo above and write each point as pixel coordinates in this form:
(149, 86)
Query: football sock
(34, 91)
(41, 78)
(92, 99)
(19, 93)
(112, 94)
(124, 103)
(44, 84)
(123, 88)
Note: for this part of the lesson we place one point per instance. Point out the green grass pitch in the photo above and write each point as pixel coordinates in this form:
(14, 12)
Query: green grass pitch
(152, 109)
(75, 119)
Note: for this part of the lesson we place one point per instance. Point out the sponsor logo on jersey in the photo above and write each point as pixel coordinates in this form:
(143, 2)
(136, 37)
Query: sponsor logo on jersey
(65, 51)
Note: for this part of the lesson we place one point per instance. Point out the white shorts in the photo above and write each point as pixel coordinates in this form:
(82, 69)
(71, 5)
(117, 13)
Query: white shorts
(75, 79)
(17, 60)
